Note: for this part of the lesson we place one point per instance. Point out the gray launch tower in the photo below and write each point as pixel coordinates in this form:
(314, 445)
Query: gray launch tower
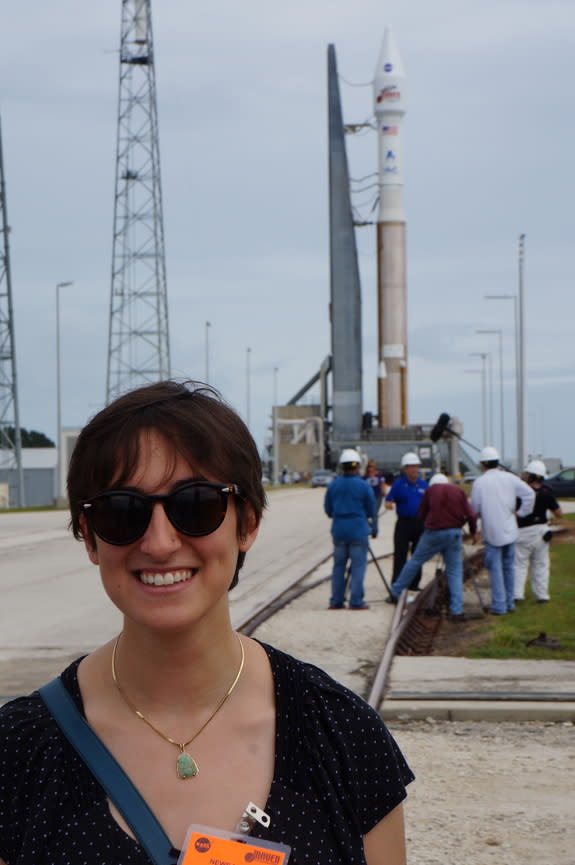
(345, 288)
(10, 440)
(138, 348)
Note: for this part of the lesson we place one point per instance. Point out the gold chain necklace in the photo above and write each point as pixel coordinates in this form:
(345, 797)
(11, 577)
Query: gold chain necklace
(186, 766)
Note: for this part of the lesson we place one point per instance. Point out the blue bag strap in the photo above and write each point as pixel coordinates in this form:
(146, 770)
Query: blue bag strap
(109, 773)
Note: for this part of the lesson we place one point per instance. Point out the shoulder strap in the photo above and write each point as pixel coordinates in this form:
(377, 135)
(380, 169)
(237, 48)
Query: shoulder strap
(108, 772)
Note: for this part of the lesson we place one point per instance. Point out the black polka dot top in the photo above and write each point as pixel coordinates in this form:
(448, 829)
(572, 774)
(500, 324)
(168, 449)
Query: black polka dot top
(338, 772)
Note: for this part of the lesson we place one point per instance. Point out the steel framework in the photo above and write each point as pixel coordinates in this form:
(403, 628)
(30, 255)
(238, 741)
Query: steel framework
(138, 348)
(10, 438)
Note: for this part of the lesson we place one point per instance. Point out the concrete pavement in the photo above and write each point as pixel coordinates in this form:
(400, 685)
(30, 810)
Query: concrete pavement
(464, 689)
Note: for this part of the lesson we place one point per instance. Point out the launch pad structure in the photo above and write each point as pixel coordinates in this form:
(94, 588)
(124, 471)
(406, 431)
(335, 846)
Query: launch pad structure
(10, 435)
(138, 340)
(138, 347)
(311, 437)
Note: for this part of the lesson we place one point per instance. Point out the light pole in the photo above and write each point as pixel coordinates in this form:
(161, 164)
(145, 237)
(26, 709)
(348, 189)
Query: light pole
(481, 372)
(522, 389)
(499, 333)
(275, 429)
(248, 354)
(486, 392)
(489, 389)
(513, 297)
(208, 325)
(59, 395)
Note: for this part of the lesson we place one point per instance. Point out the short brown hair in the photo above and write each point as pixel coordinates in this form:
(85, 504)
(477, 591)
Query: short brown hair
(196, 423)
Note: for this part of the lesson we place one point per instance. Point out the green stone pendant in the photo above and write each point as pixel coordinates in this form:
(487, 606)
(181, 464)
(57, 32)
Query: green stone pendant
(186, 766)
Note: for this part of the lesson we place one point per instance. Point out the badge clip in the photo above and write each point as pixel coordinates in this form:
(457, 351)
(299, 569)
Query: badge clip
(252, 815)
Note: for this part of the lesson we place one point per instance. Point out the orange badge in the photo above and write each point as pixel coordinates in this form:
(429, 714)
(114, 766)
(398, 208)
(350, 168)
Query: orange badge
(215, 848)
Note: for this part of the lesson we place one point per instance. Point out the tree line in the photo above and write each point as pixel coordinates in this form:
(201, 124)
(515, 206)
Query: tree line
(29, 438)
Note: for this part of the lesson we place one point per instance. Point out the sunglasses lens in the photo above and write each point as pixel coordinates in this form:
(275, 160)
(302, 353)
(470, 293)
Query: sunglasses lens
(197, 510)
(119, 518)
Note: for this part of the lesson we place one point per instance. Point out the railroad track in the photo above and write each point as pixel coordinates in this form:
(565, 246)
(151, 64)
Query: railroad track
(414, 625)
(413, 629)
(270, 606)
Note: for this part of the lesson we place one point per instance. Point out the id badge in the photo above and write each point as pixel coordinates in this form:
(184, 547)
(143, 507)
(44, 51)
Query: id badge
(207, 846)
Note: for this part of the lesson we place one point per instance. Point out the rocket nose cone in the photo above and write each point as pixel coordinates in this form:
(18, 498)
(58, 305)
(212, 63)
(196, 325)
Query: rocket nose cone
(389, 62)
(389, 85)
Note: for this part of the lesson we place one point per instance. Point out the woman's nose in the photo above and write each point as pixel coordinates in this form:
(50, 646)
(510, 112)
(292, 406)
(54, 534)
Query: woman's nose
(161, 539)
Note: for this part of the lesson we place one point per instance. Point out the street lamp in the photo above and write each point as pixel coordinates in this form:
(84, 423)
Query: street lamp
(59, 395)
(275, 448)
(490, 412)
(522, 391)
(499, 333)
(481, 372)
(518, 384)
(487, 401)
(248, 353)
(208, 325)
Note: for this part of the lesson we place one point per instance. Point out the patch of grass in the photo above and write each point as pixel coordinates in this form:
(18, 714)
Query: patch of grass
(506, 636)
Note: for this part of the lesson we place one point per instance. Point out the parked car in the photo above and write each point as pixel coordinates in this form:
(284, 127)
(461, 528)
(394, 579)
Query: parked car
(322, 478)
(562, 483)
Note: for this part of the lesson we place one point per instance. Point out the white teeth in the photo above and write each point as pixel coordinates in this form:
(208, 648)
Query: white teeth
(167, 579)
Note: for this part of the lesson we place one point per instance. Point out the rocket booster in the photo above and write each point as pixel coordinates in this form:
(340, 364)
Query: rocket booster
(390, 108)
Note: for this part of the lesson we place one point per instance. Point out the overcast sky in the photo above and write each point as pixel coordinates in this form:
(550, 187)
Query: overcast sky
(489, 143)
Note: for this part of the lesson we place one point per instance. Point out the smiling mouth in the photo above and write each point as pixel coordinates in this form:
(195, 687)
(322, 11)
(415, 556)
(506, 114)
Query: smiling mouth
(166, 579)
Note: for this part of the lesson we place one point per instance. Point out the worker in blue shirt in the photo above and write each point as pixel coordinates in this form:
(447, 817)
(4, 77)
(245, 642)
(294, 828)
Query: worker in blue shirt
(406, 494)
(352, 506)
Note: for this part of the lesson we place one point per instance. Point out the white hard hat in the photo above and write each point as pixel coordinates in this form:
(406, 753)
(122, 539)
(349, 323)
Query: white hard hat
(438, 478)
(410, 459)
(537, 467)
(489, 454)
(349, 455)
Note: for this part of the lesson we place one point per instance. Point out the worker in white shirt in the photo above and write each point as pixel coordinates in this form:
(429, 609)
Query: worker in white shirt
(532, 545)
(494, 497)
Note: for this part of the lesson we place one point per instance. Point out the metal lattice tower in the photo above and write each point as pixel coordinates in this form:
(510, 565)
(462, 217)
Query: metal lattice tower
(138, 349)
(10, 439)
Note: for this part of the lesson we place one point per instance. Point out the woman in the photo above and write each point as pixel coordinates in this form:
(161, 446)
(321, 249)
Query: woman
(376, 481)
(165, 493)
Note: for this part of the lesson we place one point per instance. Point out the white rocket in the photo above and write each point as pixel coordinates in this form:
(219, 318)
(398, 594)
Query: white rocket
(390, 106)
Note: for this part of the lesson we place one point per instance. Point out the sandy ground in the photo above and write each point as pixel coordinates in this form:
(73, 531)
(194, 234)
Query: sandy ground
(489, 793)
(498, 793)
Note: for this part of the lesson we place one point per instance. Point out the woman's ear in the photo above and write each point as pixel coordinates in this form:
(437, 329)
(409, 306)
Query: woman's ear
(89, 541)
(248, 528)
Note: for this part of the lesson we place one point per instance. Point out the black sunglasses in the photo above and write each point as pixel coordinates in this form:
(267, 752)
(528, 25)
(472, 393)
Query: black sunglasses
(121, 517)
